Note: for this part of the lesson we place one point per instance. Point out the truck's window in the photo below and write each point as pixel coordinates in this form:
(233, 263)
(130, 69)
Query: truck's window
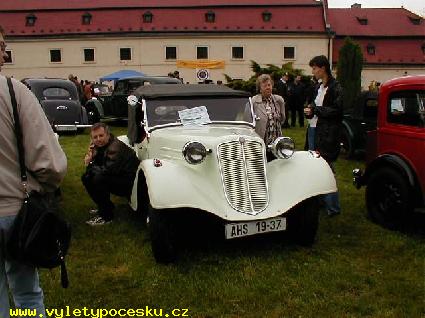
(407, 108)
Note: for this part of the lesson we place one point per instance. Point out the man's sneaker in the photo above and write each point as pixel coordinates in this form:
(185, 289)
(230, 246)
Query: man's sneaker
(94, 211)
(98, 221)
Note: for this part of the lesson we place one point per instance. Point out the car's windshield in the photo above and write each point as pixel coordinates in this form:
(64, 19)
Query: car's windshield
(220, 109)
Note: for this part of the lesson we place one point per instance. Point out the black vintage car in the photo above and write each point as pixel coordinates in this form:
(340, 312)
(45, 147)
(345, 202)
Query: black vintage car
(60, 102)
(116, 106)
(357, 122)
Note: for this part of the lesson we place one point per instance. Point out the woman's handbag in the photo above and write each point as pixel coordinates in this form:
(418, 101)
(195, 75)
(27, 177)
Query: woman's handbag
(38, 237)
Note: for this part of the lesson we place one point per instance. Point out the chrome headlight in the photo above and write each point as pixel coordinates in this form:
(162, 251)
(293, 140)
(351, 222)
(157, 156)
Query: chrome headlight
(283, 147)
(194, 152)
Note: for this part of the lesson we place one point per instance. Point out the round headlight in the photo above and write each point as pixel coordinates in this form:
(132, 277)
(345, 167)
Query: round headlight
(283, 147)
(194, 152)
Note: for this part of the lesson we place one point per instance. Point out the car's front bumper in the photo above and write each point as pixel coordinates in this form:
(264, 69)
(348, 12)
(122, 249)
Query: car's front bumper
(358, 178)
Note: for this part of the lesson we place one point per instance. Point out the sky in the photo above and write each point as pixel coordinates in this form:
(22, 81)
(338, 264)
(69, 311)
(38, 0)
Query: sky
(416, 6)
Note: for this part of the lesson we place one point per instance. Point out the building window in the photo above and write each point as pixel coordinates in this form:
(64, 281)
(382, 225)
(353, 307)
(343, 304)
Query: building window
(125, 54)
(423, 48)
(267, 16)
(86, 18)
(55, 56)
(362, 21)
(8, 59)
(237, 52)
(30, 19)
(415, 20)
(370, 49)
(289, 52)
(147, 17)
(88, 55)
(170, 53)
(210, 17)
(202, 52)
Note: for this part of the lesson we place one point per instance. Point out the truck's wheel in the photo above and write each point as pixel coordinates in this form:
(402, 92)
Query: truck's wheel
(303, 222)
(162, 233)
(387, 198)
(347, 149)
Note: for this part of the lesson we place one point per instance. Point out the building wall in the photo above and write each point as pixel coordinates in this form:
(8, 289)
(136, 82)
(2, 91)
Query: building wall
(31, 58)
(383, 74)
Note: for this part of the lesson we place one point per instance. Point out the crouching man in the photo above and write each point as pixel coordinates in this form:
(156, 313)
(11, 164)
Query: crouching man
(111, 169)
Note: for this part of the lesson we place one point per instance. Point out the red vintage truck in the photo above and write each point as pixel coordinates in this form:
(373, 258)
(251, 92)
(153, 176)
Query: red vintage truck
(395, 156)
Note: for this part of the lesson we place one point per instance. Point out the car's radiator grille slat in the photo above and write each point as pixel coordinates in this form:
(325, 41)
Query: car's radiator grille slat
(243, 173)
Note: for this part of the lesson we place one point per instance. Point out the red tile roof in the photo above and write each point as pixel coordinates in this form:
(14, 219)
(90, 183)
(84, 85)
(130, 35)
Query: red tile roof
(388, 51)
(90, 4)
(381, 22)
(230, 19)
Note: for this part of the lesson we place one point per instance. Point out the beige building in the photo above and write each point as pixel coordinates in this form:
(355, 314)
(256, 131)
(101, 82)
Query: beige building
(92, 41)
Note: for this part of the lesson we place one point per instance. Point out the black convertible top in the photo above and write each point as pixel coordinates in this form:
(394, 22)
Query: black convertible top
(187, 90)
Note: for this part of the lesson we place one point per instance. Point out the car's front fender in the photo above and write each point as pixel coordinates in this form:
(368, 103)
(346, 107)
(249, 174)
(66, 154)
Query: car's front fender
(177, 185)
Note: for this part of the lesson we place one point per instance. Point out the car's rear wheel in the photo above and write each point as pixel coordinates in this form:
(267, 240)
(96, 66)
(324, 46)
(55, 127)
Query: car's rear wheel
(163, 235)
(387, 197)
(347, 149)
(303, 222)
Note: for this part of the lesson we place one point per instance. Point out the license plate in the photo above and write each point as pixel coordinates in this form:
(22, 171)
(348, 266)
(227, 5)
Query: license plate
(234, 230)
(66, 128)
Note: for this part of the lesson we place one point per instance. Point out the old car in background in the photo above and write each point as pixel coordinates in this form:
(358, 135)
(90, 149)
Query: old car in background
(199, 152)
(60, 102)
(115, 106)
(395, 169)
(357, 122)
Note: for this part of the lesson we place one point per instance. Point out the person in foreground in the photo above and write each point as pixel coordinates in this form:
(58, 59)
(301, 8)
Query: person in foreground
(328, 109)
(46, 164)
(110, 169)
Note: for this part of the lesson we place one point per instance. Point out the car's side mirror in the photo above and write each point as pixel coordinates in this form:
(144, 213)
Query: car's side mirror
(132, 100)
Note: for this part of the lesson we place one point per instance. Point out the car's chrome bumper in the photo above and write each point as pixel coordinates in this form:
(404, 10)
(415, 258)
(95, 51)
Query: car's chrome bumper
(70, 127)
(357, 178)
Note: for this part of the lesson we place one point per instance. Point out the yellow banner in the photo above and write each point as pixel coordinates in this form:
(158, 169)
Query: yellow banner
(200, 64)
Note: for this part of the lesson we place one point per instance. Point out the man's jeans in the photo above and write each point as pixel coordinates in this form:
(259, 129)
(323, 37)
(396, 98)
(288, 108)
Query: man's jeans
(22, 280)
(311, 131)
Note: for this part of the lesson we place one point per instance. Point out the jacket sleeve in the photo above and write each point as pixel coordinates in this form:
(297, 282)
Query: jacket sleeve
(281, 103)
(334, 110)
(44, 157)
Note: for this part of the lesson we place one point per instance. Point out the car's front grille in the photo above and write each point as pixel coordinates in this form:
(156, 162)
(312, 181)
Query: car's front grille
(243, 173)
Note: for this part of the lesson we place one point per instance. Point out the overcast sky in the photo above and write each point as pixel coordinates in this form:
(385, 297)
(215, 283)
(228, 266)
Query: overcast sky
(416, 6)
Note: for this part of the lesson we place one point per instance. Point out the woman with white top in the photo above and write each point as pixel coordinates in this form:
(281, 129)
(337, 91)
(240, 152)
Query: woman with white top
(325, 112)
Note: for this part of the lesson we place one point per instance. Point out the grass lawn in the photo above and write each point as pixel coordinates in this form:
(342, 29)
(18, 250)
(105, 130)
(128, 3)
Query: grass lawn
(355, 269)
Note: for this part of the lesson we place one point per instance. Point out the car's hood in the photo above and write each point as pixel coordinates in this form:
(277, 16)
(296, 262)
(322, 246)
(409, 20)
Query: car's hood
(167, 143)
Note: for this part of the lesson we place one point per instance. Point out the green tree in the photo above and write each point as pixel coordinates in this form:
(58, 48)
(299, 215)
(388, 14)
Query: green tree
(275, 72)
(349, 70)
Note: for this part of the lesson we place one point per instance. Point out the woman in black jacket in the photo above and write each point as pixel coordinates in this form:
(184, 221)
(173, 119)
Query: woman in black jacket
(327, 107)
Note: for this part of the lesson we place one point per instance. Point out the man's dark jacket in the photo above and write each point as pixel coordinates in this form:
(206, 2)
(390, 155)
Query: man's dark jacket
(115, 159)
(329, 123)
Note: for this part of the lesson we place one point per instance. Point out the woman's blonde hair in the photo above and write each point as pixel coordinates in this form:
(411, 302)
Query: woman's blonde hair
(262, 79)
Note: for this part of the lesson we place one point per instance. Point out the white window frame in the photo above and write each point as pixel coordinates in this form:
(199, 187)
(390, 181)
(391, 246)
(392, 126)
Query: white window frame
(208, 52)
(50, 56)
(94, 55)
(12, 54)
(165, 53)
(231, 53)
(283, 52)
(131, 53)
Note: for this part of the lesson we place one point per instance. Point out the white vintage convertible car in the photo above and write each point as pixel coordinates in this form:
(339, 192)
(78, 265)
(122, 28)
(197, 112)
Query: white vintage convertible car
(199, 151)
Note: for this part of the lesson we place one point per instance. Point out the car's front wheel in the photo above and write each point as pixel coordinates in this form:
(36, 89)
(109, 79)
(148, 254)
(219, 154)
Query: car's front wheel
(162, 234)
(303, 222)
(387, 197)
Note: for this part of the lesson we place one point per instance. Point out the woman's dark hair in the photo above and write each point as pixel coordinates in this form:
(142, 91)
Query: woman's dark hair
(321, 61)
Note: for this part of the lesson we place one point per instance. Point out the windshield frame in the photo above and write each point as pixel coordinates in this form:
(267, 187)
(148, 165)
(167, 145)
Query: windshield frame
(149, 129)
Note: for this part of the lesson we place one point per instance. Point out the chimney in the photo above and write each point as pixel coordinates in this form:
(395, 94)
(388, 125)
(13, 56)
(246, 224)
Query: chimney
(356, 6)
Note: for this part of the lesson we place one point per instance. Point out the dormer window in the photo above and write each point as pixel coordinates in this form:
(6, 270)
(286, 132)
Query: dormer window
(423, 48)
(210, 17)
(415, 20)
(370, 49)
(267, 16)
(362, 20)
(30, 19)
(86, 18)
(147, 17)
